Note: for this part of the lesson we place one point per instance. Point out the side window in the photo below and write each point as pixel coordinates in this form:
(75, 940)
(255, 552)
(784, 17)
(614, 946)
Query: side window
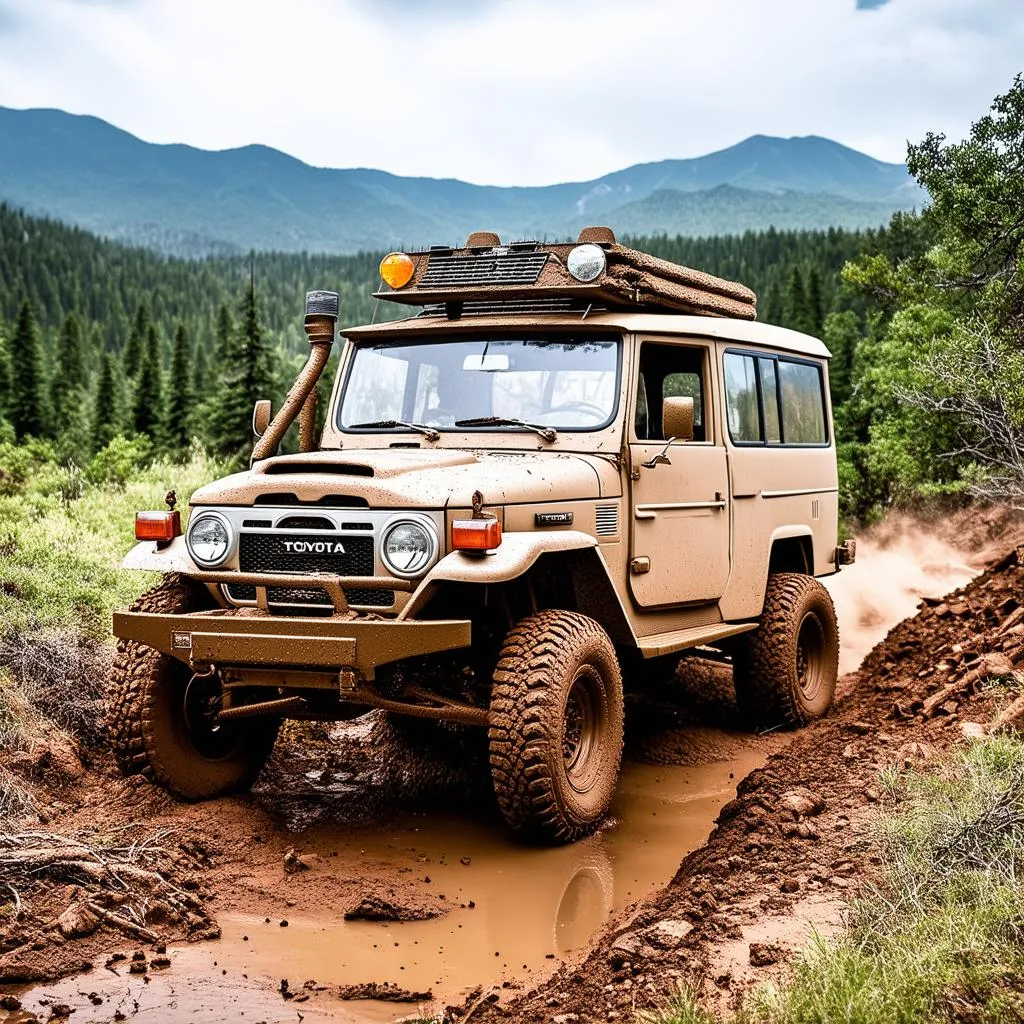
(668, 371)
(803, 403)
(741, 403)
(773, 400)
(770, 397)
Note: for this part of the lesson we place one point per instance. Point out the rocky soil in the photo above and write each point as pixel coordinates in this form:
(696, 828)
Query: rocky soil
(798, 839)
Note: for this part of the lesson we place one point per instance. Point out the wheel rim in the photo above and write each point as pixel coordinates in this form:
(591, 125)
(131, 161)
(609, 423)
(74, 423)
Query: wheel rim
(581, 735)
(202, 704)
(810, 657)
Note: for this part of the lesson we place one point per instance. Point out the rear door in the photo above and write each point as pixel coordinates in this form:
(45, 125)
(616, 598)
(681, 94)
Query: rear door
(680, 522)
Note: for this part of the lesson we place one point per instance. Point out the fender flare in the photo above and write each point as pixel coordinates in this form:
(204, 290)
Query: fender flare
(516, 555)
(792, 532)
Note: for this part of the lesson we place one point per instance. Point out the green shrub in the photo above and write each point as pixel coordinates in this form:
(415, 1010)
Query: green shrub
(121, 460)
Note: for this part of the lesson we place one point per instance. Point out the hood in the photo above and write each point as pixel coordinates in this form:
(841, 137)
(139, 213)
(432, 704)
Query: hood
(416, 478)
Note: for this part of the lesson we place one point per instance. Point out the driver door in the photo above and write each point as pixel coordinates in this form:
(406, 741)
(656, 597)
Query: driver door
(680, 520)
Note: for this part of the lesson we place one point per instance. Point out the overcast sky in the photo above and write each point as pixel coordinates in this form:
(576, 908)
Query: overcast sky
(512, 91)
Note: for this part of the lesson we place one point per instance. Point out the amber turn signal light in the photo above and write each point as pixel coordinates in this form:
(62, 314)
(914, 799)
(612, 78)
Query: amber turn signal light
(162, 527)
(476, 534)
(397, 269)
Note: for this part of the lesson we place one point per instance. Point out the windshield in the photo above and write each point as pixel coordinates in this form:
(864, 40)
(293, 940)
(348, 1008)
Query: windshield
(564, 383)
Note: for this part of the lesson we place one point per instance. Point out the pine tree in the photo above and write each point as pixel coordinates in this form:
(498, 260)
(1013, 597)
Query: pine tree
(149, 392)
(796, 316)
(200, 373)
(181, 400)
(106, 417)
(6, 379)
(815, 303)
(28, 413)
(247, 374)
(134, 348)
(224, 336)
(773, 311)
(69, 379)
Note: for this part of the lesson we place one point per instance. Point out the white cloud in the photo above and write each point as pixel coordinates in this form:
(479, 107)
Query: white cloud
(511, 91)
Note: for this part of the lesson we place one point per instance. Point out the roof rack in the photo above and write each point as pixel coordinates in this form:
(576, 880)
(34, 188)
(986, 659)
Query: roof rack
(525, 276)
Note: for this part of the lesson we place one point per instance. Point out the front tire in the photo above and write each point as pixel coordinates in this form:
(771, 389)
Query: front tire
(161, 715)
(785, 671)
(556, 726)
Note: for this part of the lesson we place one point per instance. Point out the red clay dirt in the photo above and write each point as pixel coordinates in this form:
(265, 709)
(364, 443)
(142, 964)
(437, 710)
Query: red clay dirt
(796, 842)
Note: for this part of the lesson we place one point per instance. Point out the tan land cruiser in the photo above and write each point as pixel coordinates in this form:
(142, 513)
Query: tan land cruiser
(572, 465)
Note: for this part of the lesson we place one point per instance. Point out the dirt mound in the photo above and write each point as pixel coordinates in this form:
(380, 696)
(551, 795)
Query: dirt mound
(798, 838)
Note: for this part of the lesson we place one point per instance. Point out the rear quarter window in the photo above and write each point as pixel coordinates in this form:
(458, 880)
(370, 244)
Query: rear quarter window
(774, 400)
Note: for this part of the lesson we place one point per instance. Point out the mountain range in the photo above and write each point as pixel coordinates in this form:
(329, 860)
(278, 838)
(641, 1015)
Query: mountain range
(187, 201)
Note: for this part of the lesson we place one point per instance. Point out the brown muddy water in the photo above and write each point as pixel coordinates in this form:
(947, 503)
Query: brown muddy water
(517, 913)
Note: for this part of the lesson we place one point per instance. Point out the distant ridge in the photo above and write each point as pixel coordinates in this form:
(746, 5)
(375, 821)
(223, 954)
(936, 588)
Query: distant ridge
(188, 201)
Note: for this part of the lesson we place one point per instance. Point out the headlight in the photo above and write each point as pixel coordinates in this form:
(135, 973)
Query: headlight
(408, 548)
(586, 262)
(209, 539)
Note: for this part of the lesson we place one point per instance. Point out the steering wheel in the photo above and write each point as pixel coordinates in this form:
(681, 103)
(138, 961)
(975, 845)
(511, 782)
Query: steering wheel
(584, 407)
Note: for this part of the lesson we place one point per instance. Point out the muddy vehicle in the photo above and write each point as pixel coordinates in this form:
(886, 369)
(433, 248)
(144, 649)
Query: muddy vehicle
(572, 465)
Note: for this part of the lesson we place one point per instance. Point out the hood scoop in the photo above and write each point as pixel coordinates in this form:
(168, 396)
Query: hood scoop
(377, 463)
(334, 468)
(327, 501)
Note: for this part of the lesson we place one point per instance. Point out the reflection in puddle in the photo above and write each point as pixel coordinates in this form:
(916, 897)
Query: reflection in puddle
(516, 910)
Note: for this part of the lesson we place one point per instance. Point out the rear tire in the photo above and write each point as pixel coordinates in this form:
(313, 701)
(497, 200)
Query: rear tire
(785, 671)
(160, 714)
(556, 726)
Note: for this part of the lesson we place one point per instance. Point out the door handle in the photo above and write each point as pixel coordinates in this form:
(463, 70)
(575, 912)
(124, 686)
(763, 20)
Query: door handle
(651, 511)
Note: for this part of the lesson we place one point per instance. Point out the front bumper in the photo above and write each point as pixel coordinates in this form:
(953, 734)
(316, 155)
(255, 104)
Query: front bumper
(228, 638)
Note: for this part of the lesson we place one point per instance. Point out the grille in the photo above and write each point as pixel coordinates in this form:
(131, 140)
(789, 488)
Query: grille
(261, 552)
(305, 523)
(484, 268)
(313, 595)
(607, 520)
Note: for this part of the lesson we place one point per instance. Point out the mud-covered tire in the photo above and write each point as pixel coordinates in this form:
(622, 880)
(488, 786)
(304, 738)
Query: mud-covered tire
(555, 736)
(147, 721)
(785, 671)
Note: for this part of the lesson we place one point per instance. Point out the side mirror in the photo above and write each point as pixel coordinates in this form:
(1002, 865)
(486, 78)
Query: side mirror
(677, 419)
(261, 417)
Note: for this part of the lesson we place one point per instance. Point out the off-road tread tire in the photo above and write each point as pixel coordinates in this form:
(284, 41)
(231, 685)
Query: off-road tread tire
(530, 684)
(767, 691)
(132, 706)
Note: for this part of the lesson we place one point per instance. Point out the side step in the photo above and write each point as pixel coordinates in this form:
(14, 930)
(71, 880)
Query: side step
(693, 636)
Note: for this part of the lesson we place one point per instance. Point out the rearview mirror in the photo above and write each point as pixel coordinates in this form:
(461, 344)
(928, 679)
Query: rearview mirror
(261, 417)
(486, 363)
(677, 418)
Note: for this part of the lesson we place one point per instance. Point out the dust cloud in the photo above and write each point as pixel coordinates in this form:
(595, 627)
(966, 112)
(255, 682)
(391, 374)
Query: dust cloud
(898, 563)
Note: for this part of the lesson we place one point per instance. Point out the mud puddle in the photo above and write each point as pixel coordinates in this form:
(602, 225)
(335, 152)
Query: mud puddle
(515, 912)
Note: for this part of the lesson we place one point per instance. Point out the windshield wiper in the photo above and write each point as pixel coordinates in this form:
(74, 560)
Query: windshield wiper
(548, 433)
(428, 432)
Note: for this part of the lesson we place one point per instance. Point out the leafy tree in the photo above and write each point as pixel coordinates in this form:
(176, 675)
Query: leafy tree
(938, 405)
(181, 400)
(28, 412)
